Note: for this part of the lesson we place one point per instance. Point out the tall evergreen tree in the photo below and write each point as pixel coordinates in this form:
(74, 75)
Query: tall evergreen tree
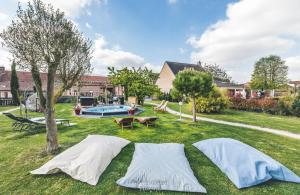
(14, 84)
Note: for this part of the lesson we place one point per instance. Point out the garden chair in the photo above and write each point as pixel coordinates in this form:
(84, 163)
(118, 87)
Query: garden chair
(32, 125)
(42, 120)
(158, 106)
(148, 121)
(163, 108)
(125, 122)
(19, 122)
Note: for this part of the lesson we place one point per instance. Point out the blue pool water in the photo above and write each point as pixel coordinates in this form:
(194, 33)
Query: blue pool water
(110, 110)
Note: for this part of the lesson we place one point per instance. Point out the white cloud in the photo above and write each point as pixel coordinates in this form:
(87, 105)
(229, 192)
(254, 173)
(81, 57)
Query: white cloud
(252, 29)
(294, 67)
(172, 1)
(88, 25)
(105, 56)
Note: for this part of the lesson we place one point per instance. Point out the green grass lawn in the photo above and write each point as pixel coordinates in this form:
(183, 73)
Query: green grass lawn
(288, 123)
(4, 108)
(21, 153)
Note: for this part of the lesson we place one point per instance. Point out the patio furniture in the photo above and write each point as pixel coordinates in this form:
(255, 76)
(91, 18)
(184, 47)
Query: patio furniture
(158, 106)
(18, 123)
(125, 122)
(42, 120)
(163, 108)
(21, 123)
(148, 121)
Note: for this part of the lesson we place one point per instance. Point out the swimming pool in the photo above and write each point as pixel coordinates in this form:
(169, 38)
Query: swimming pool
(110, 110)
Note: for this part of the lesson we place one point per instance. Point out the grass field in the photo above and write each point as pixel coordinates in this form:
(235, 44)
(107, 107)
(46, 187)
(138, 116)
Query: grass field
(21, 153)
(288, 123)
(3, 108)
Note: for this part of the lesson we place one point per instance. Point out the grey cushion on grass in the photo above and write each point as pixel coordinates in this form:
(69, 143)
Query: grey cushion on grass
(244, 165)
(160, 167)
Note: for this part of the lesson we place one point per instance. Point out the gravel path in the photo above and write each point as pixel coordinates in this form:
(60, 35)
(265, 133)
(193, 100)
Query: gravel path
(265, 129)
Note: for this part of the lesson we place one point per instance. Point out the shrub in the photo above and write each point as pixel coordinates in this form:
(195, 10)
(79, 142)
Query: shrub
(214, 103)
(253, 105)
(296, 106)
(210, 105)
(256, 105)
(268, 105)
(238, 103)
(284, 105)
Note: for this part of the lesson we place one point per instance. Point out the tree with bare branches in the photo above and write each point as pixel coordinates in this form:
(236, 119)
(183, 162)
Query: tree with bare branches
(42, 39)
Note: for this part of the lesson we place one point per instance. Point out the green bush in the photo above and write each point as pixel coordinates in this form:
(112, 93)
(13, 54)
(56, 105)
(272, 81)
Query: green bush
(296, 106)
(284, 105)
(214, 103)
(210, 105)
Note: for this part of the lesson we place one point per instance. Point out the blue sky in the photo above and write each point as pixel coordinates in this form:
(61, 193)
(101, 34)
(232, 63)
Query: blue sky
(233, 34)
(153, 29)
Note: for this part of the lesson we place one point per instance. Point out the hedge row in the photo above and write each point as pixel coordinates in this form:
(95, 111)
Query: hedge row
(283, 106)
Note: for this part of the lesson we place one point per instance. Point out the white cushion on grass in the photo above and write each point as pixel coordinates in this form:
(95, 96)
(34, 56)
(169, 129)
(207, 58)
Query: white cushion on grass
(160, 167)
(244, 165)
(87, 160)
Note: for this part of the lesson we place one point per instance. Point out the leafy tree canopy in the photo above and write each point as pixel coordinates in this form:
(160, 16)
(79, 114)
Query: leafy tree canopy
(138, 82)
(193, 84)
(216, 71)
(269, 73)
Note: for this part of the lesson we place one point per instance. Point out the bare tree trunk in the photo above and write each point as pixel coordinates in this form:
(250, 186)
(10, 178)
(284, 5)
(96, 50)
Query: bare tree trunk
(194, 109)
(52, 143)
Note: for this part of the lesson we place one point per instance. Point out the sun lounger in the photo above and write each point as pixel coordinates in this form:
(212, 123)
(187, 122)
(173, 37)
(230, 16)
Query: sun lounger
(18, 123)
(41, 120)
(125, 122)
(163, 108)
(148, 121)
(21, 123)
(158, 106)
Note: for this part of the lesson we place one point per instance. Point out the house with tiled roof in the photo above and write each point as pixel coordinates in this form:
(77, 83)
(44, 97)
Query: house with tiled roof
(170, 69)
(88, 85)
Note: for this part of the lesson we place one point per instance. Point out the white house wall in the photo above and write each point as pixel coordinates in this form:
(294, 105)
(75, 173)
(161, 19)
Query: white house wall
(165, 80)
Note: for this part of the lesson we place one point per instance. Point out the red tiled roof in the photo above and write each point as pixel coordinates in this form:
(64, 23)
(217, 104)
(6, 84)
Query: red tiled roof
(89, 78)
(26, 82)
(295, 82)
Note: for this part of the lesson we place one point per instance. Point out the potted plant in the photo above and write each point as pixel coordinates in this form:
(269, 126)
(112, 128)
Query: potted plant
(77, 109)
(131, 111)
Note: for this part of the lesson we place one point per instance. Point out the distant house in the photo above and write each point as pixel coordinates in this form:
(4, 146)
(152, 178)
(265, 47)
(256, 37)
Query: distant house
(170, 69)
(92, 86)
(295, 85)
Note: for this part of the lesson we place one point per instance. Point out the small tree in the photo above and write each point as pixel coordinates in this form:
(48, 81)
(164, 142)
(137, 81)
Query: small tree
(269, 73)
(44, 40)
(120, 77)
(193, 84)
(143, 84)
(14, 84)
(136, 82)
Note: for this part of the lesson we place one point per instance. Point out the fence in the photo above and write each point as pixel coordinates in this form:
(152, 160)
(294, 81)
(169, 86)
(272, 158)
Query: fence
(6, 102)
